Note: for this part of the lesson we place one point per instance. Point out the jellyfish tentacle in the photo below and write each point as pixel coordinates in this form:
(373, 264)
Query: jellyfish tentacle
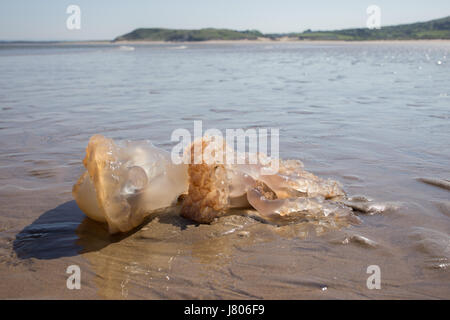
(215, 187)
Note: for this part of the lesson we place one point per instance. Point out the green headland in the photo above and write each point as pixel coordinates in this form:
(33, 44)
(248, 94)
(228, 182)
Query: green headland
(434, 29)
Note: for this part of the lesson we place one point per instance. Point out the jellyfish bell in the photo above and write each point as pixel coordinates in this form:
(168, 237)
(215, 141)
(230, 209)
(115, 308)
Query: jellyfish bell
(126, 182)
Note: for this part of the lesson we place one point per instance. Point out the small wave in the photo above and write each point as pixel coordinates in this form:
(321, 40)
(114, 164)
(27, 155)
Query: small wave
(126, 48)
(416, 104)
(353, 178)
(444, 116)
(444, 207)
(178, 48)
(435, 244)
(42, 173)
(215, 110)
(441, 183)
(301, 112)
(368, 207)
(358, 240)
(21, 188)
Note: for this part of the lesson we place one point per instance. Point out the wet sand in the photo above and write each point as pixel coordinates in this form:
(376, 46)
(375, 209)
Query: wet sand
(237, 257)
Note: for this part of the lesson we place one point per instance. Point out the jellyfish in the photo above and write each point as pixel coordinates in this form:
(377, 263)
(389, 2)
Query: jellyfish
(127, 181)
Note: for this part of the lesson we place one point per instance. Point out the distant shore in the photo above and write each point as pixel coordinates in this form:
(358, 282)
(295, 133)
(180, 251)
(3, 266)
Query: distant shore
(267, 40)
(258, 41)
(433, 29)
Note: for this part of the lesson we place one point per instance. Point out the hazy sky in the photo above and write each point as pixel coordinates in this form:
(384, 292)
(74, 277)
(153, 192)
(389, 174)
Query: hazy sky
(106, 19)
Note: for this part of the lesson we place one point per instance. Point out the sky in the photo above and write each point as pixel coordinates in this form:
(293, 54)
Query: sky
(45, 20)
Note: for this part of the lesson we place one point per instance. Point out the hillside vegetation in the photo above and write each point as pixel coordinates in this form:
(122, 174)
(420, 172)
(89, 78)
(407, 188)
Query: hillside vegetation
(434, 29)
(158, 34)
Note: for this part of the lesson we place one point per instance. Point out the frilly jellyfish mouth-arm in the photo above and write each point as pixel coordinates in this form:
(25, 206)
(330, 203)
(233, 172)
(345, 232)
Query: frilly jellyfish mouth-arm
(125, 182)
(215, 187)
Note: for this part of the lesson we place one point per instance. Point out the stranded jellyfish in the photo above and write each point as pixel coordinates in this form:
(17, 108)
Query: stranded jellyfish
(125, 182)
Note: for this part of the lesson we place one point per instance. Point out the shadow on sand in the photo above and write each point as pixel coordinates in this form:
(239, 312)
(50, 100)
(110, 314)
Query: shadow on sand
(63, 232)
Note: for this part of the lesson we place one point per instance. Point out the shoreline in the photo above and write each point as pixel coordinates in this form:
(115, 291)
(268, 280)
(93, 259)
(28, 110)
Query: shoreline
(266, 41)
(259, 41)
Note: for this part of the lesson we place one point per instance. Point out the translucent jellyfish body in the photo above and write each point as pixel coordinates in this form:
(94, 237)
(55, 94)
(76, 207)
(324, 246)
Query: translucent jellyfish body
(126, 182)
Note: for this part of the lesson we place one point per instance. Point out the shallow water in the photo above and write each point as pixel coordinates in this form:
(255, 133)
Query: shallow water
(373, 116)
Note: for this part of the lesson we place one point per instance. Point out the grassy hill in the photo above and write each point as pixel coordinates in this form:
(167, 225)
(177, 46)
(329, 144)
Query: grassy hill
(434, 29)
(158, 34)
